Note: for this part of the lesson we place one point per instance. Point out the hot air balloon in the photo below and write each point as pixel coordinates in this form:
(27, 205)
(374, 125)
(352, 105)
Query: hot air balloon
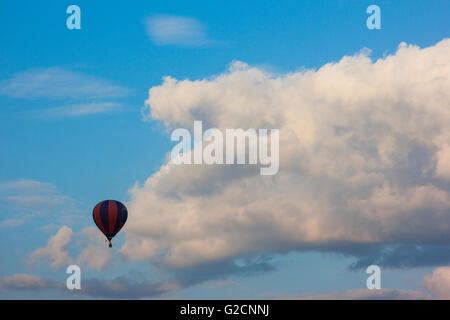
(110, 216)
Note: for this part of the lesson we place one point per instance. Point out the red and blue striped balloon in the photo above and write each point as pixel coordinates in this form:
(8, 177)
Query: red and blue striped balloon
(110, 216)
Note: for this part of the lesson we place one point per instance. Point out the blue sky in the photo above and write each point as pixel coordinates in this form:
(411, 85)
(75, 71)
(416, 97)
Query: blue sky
(80, 137)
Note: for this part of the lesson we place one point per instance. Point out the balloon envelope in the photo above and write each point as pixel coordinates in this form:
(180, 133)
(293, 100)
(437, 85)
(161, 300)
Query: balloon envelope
(110, 216)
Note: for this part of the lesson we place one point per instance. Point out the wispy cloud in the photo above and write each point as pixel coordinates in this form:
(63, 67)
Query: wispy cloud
(27, 186)
(82, 94)
(27, 199)
(26, 194)
(78, 110)
(59, 83)
(179, 31)
(12, 222)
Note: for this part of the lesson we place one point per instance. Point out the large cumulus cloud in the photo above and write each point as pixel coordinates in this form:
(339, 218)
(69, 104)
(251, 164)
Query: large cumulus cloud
(364, 162)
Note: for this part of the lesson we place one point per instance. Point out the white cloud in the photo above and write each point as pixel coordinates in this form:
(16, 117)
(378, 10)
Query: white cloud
(359, 146)
(176, 30)
(56, 250)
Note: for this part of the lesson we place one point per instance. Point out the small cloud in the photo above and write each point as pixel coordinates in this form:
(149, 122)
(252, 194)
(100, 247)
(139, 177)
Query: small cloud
(176, 30)
(56, 249)
(59, 83)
